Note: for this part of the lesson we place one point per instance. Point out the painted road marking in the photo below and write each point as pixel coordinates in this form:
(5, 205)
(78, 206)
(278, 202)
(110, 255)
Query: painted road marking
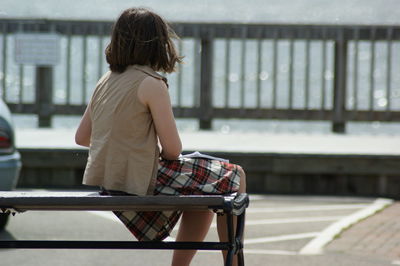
(320, 239)
(270, 252)
(105, 214)
(316, 245)
(293, 220)
(258, 251)
(280, 238)
(308, 208)
(111, 216)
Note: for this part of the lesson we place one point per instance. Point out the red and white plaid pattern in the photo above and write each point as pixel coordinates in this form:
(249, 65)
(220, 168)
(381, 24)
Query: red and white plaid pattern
(188, 176)
(193, 176)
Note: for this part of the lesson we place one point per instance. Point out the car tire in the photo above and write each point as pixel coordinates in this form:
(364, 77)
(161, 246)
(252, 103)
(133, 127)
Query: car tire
(3, 220)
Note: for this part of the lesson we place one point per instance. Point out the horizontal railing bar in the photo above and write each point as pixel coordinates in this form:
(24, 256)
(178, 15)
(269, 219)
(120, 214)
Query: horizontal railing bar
(250, 113)
(302, 114)
(24, 108)
(284, 114)
(361, 115)
(78, 109)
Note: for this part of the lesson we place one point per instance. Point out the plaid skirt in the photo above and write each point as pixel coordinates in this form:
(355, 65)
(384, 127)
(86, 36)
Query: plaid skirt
(186, 176)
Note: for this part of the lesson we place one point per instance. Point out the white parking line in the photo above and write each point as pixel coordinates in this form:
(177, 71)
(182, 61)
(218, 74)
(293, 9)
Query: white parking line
(111, 216)
(308, 208)
(320, 238)
(316, 245)
(105, 214)
(247, 251)
(288, 220)
(294, 220)
(269, 252)
(280, 238)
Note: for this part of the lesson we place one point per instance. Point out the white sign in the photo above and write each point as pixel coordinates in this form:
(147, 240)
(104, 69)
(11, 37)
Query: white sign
(41, 49)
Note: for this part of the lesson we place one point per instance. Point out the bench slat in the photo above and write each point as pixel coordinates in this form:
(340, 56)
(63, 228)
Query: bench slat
(70, 244)
(93, 201)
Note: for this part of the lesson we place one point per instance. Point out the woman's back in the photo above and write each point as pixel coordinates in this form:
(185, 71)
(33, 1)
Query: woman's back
(123, 154)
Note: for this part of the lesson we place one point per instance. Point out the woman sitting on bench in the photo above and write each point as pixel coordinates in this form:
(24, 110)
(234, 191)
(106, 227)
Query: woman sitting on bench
(129, 118)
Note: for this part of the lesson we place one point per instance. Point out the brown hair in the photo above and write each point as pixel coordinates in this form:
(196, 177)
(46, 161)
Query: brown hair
(142, 37)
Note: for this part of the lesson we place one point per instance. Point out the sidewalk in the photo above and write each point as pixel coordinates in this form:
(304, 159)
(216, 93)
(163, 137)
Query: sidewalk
(376, 236)
(239, 142)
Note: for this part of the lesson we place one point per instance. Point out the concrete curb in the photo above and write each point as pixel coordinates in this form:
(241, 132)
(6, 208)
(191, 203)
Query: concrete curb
(316, 245)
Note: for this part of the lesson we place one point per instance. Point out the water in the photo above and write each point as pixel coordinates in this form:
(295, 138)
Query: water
(254, 11)
(273, 11)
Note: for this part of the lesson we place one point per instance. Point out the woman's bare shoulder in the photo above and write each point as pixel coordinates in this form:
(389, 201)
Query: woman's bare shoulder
(151, 88)
(153, 83)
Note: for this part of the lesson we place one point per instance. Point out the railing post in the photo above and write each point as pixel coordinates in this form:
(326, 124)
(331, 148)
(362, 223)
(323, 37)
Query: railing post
(339, 88)
(206, 64)
(44, 95)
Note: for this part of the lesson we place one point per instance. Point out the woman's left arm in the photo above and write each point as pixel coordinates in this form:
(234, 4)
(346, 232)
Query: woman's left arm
(154, 93)
(82, 135)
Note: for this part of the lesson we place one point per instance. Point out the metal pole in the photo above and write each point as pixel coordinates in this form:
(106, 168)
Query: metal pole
(44, 95)
(339, 96)
(206, 82)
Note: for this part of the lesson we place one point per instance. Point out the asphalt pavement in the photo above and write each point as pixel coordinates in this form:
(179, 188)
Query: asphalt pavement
(280, 230)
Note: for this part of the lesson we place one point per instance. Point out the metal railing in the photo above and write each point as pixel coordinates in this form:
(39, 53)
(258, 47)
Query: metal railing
(335, 73)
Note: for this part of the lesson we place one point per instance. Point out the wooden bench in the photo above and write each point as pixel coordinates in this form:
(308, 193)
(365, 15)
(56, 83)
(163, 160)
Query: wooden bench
(230, 205)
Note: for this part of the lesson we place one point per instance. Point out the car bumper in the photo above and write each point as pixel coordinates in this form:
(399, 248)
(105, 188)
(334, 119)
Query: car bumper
(10, 166)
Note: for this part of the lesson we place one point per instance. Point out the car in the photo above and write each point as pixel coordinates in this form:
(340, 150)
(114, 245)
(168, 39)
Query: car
(10, 159)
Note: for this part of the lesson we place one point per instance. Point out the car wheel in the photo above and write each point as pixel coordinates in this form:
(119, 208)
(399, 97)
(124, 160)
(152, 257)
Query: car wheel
(3, 220)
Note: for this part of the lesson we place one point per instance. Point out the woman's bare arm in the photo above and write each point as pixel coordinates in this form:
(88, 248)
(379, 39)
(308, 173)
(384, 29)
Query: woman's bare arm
(82, 135)
(154, 93)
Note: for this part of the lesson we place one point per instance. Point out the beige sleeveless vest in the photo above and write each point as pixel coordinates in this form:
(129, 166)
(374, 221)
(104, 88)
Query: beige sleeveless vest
(123, 153)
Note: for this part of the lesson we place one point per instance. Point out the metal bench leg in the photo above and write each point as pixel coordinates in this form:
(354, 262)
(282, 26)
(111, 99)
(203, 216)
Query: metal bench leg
(235, 239)
(239, 238)
(231, 240)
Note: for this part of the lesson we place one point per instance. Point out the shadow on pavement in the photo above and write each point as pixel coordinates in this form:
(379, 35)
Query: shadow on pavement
(5, 235)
